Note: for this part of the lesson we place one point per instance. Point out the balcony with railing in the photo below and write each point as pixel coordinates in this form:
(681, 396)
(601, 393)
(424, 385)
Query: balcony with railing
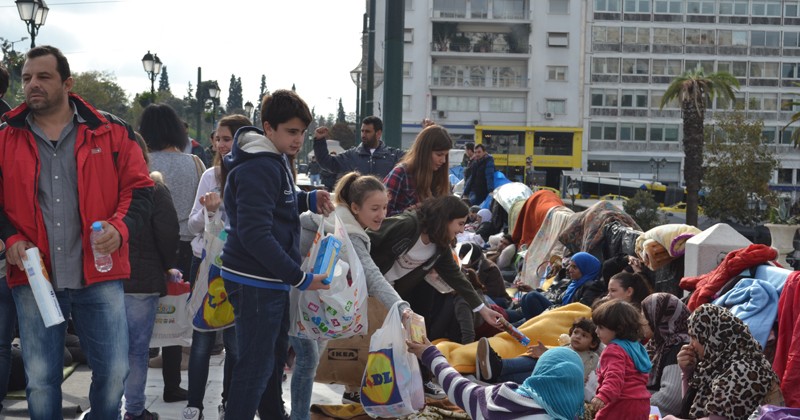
(451, 37)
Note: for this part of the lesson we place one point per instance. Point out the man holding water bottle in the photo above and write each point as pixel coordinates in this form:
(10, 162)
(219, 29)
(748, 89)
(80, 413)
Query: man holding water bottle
(63, 166)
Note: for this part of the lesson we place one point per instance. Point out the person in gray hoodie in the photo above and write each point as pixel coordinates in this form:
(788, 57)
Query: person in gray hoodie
(261, 258)
(361, 202)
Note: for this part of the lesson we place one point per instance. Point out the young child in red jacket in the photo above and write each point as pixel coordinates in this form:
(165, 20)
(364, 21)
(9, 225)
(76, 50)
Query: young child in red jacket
(624, 365)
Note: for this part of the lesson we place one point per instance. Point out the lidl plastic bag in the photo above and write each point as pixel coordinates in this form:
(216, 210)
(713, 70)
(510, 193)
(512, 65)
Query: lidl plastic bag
(209, 307)
(392, 383)
(340, 311)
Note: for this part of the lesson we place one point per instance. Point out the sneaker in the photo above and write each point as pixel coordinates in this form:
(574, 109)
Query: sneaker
(487, 363)
(351, 398)
(175, 395)
(85, 413)
(146, 415)
(433, 391)
(221, 412)
(192, 413)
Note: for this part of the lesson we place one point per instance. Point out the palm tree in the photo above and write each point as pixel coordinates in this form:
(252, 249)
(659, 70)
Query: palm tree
(695, 90)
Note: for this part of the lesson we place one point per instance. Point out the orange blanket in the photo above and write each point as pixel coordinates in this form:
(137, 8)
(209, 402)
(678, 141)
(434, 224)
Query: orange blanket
(532, 215)
(545, 328)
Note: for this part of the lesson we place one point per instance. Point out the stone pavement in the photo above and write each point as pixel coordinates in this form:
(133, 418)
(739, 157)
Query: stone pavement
(75, 392)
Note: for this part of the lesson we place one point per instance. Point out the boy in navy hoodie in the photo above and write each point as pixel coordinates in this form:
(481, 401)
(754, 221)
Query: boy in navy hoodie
(261, 258)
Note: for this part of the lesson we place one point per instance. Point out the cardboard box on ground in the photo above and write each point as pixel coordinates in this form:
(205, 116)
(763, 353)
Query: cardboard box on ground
(344, 360)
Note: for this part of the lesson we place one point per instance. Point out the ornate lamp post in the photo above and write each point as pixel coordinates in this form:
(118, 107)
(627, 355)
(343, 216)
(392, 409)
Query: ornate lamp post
(213, 93)
(152, 66)
(34, 14)
(656, 165)
(248, 109)
(573, 192)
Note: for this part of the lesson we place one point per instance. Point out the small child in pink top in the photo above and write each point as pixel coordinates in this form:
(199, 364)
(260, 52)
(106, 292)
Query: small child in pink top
(624, 365)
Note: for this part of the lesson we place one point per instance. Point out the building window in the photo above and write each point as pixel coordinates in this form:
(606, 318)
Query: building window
(406, 102)
(477, 76)
(556, 106)
(791, 71)
(667, 67)
(732, 38)
(733, 7)
(509, 9)
(767, 102)
(558, 39)
(768, 135)
(633, 99)
(408, 35)
(669, 6)
(655, 101)
(706, 65)
(791, 10)
(508, 76)
(771, 39)
(664, 132)
(605, 35)
(407, 65)
(633, 132)
(479, 9)
(764, 70)
(703, 7)
(603, 131)
(735, 68)
(791, 39)
(667, 36)
(558, 73)
(785, 176)
(700, 37)
(606, 5)
(605, 66)
(637, 6)
(450, 8)
(635, 65)
(767, 8)
(632, 35)
(604, 98)
(559, 7)
(506, 105)
(455, 103)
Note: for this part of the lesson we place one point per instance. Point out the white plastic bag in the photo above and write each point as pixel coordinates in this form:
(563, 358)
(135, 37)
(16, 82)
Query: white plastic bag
(340, 311)
(392, 383)
(209, 307)
(172, 326)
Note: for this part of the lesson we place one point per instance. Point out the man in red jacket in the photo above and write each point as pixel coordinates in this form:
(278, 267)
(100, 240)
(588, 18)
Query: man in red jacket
(64, 165)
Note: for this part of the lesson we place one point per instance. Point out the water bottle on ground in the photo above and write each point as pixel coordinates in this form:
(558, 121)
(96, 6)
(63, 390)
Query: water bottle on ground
(102, 262)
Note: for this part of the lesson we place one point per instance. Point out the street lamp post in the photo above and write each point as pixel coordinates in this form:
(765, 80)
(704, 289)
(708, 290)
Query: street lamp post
(14, 42)
(213, 93)
(573, 191)
(248, 109)
(152, 66)
(34, 14)
(656, 165)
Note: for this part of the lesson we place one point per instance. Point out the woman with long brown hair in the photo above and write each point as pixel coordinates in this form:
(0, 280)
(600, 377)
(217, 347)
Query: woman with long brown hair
(422, 173)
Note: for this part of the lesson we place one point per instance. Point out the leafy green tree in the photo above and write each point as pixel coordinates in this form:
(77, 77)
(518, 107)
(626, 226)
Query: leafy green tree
(235, 101)
(102, 91)
(163, 81)
(736, 156)
(695, 90)
(13, 61)
(643, 208)
(340, 114)
(341, 131)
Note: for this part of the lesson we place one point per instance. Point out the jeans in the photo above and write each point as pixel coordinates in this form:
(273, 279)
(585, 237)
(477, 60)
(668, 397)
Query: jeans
(8, 316)
(316, 179)
(261, 319)
(202, 343)
(516, 370)
(141, 315)
(305, 369)
(98, 312)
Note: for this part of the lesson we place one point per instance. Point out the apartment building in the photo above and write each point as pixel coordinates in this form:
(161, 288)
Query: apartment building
(577, 84)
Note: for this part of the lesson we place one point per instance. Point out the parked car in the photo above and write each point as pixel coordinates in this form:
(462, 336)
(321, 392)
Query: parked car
(614, 197)
(679, 207)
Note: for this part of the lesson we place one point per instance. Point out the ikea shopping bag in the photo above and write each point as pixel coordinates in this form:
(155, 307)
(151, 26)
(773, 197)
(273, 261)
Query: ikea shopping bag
(340, 311)
(172, 326)
(392, 383)
(209, 307)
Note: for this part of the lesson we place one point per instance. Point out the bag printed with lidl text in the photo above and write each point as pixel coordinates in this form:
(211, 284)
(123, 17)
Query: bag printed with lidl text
(340, 311)
(392, 382)
(172, 325)
(209, 307)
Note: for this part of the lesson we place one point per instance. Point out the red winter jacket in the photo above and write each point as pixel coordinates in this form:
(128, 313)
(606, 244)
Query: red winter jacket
(734, 263)
(113, 185)
(787, 353)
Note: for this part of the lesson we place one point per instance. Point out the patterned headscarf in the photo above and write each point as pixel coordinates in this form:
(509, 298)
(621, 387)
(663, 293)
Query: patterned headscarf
(733, 377)
(669, 319)
(590, 270)
(556, 383)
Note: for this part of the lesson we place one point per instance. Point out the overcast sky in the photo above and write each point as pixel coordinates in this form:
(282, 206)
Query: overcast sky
(311, 43)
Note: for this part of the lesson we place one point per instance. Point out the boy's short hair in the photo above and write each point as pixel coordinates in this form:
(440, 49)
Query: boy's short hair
(283, 105)
(621, 317)
(587, 325)
(469, 146)
(480, 146)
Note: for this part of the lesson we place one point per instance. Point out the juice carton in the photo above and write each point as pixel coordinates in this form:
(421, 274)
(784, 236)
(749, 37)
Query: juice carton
(327, 256)
(415, 328)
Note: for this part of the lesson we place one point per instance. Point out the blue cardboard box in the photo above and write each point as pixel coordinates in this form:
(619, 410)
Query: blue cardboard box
(327, 256)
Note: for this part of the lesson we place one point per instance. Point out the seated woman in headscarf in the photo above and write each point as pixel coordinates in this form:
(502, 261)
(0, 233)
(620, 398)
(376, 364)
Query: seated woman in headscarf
(728, 375)
(553, 391)
(582, 284)
(668, 330)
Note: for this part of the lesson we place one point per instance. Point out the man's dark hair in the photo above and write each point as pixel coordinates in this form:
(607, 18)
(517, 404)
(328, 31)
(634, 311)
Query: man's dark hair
(374, 121)
(162, 128)
(470, 146)
(4, 78)
(282, 106)
(480, 146)
(62, 65)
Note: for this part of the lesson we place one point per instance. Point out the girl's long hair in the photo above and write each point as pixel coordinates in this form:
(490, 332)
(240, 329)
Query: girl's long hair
(436, 213)
(233, 123)
(418, 161)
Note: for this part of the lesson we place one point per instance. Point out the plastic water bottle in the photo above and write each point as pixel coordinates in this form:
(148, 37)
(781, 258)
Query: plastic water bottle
(102, 262)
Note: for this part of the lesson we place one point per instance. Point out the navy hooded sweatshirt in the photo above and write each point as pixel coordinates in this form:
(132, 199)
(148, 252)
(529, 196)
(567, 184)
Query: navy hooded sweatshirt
(263, 207)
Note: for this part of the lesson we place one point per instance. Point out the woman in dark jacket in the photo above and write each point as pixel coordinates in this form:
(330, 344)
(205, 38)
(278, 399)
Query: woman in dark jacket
(152, 253)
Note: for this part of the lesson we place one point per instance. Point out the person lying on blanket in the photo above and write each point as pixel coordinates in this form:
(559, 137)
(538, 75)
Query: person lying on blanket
(553, 391)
